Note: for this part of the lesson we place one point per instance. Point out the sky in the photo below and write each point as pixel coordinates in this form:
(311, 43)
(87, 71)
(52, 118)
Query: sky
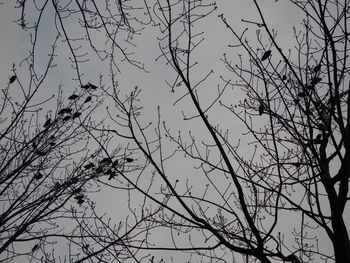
(14, 45)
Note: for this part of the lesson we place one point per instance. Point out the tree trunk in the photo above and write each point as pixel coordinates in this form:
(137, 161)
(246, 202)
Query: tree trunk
(341, 243)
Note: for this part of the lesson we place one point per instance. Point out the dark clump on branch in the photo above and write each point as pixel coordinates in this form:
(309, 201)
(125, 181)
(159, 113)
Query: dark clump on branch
(89, 86)
(36, 246)
(73, 97)
(317, 68)
(76, 115)
(86, 87)
(129, 160)
(88, 99)
(13, 79)
(34, 145)
(111, 174)
(315, 81)
(92, 86)
(65, 111)
(261, 109)
(79, 198)
(40, 153)
(266, 55)
(106, 160)
(318, 139)
(47, 122)
(89, 166)
(38, 176)
(66, 118)
(77, 191)
(99, 170)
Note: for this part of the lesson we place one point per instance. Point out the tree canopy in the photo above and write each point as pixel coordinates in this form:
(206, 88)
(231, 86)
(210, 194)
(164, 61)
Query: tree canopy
(178, 132)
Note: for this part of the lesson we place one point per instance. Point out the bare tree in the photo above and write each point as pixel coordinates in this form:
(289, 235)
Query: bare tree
(43, 146)
(49, 165)
(278, 193)
(289, 194)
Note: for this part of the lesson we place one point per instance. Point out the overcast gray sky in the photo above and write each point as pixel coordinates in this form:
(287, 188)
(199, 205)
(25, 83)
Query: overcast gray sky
(14, 45)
